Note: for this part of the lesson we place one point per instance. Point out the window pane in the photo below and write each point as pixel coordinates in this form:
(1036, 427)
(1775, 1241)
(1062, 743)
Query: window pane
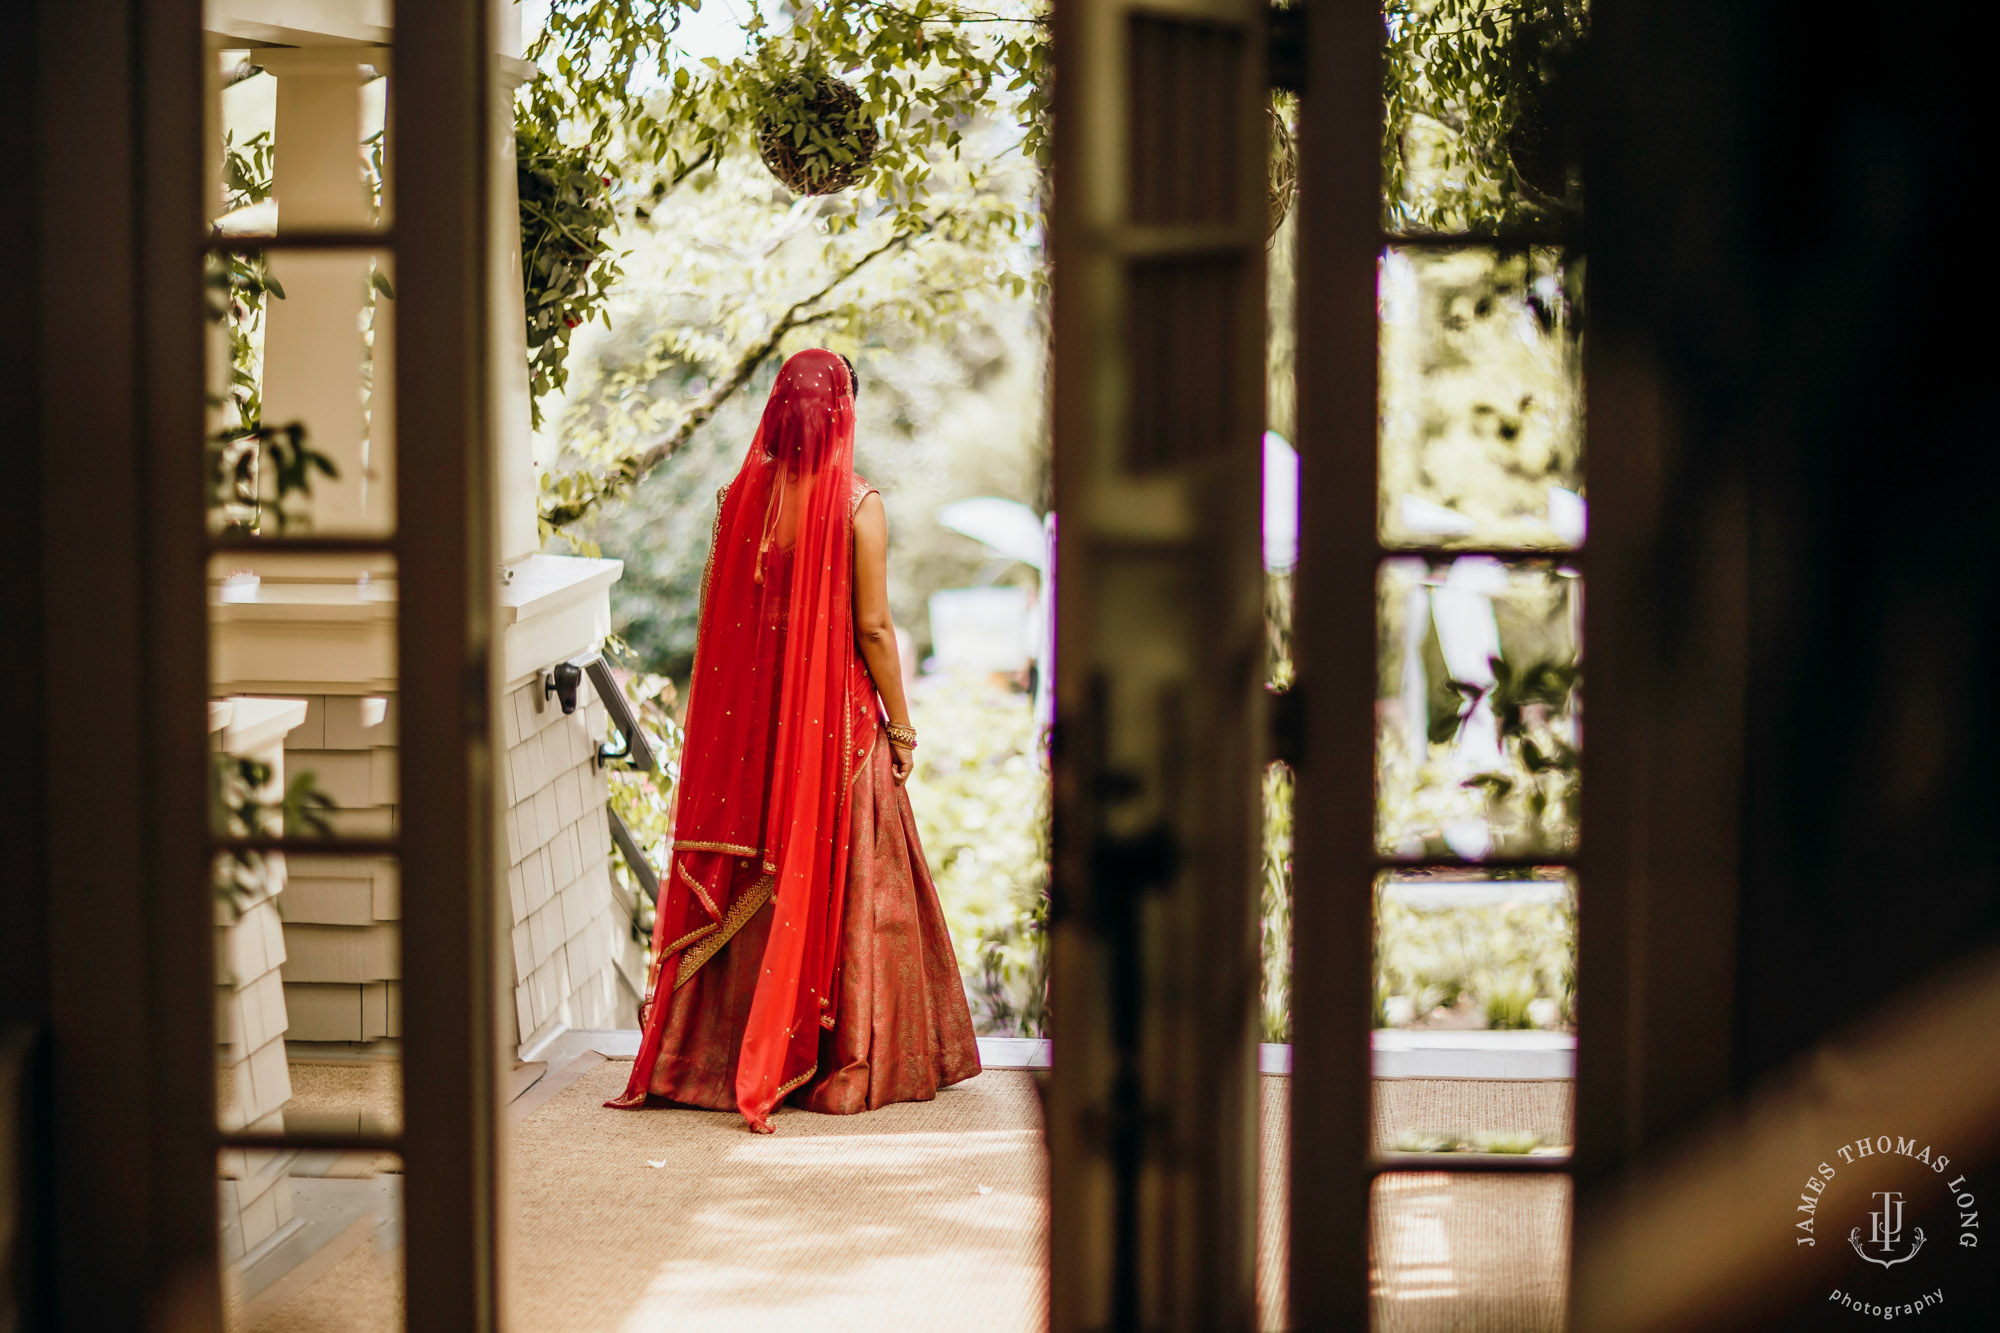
(302, 719)
(303, 695)
(1475, 1011)
(1464, 1250)
(309, 1004)
(1481, 398)
(1480, 115)
(301, 128)
(1478, 719)
(301, 423)
(310, 1240)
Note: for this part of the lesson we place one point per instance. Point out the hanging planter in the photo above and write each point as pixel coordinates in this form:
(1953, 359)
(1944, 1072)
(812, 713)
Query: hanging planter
(818, 141)
(1284, 181)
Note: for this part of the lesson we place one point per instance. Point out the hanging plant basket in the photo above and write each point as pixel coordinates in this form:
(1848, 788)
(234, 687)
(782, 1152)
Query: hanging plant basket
(823, 142)
(1284, 182)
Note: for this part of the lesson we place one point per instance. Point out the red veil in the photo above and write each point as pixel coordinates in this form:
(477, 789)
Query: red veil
(775, 711)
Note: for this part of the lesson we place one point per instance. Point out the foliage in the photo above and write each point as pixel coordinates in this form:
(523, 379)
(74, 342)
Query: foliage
(1275, 882)
(566, 265)
(1526, 797)
(756, 275)
(1477, 123)
(645, 801)
(1475, 964)
(1275, 908)
(948, 205)
(981, 793)
(925, 70)
(1532, 706)
(240, 806)
(948, 409)
(1481, 403)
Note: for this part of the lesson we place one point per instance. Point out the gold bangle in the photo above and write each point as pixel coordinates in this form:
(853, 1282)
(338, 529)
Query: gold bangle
(902, 735)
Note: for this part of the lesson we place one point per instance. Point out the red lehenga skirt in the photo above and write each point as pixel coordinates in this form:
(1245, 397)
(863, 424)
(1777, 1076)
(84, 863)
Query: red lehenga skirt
(903, 1028)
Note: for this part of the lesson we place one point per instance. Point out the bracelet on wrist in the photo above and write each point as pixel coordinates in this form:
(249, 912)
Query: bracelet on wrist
(902, 735)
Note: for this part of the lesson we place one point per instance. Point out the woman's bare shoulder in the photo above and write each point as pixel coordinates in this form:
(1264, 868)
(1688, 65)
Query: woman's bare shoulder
(862, 490)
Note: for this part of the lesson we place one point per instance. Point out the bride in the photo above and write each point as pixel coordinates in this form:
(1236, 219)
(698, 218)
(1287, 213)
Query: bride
(799, 950)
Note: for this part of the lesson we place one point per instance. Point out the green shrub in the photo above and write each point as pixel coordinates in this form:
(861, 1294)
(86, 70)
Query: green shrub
(981, 796)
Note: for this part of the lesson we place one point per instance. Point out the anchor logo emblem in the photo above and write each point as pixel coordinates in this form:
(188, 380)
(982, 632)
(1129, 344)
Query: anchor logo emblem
(1885, 1231)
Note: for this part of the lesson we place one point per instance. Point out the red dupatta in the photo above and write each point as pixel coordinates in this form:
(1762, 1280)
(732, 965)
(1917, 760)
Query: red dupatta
(761, 814)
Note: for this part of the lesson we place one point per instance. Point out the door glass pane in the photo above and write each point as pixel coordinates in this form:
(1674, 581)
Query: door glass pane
(1464, 1250)
(1481, 398)
(309, 1004)
(301, 127)
(1478, 716)
(302, 720)
(1475, 1011)
(301, 421)
(310, 1240)
(303, 695)
(1481, 110)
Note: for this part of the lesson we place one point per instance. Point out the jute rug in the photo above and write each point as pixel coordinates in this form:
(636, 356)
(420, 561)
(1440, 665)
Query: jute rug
(930, 1215)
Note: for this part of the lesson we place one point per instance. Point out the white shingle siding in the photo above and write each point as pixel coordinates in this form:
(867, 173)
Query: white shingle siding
(573, 959)
(574, 962)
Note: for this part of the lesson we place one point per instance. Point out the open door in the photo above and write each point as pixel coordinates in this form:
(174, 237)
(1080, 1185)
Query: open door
(308, 306)
(1159, 228)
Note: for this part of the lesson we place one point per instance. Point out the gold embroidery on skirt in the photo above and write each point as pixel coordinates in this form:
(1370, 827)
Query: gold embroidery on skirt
(740, 911)
(690, 938)
(785, 1088)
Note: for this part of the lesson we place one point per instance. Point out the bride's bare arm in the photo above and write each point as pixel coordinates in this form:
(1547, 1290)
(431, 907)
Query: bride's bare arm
(874, 629)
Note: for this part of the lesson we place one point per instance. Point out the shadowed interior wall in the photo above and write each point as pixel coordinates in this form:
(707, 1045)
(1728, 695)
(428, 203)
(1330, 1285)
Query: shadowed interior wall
(1784, 233)
(23, 723)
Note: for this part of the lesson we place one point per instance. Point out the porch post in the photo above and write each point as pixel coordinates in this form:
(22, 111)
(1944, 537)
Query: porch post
(313, 349)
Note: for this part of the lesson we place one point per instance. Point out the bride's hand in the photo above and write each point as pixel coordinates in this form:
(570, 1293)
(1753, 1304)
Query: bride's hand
(901, 761)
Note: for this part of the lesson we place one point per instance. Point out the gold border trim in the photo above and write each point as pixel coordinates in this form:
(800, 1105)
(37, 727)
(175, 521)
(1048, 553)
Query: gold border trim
(740, 911)
(734, 849)
(700, 891)
(785, 1089)
(868, 758)
(690, 938)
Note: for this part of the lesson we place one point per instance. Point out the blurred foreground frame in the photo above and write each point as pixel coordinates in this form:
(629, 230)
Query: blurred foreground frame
(1789, 937)
(1707, 1236)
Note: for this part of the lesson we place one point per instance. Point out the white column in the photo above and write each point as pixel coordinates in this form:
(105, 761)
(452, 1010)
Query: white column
(513, 441)
(314, 351)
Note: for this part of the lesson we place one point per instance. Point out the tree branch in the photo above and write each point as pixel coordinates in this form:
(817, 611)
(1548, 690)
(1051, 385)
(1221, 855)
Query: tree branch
(629, 471)
(707, 155)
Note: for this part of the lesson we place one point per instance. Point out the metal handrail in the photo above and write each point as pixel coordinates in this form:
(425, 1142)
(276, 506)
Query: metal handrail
(638, 749)
(628, 847)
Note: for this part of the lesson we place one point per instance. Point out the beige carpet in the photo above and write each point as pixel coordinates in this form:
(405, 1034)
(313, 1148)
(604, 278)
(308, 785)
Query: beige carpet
(930, 1215)
(1467, 1107)
(1451, 1253)
(1457, 1253)
(879, 1221)
(1274, 1194)
(363, 1293)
